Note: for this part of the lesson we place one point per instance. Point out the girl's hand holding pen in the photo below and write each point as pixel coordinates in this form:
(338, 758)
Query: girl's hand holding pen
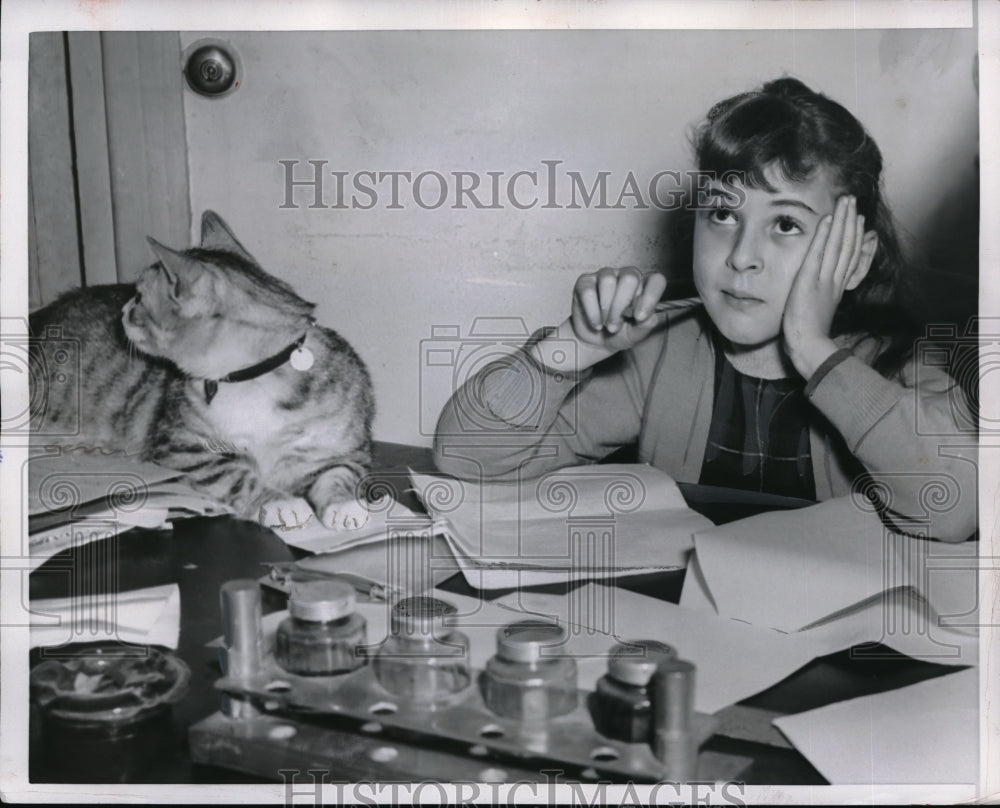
(613, 309)
(837, 260)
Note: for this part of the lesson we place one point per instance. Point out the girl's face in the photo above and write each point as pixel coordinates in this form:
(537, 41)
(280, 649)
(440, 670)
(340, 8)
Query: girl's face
(746, 257)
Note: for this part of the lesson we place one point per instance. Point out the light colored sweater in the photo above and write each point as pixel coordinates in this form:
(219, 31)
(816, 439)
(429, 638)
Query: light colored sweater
(516, 418)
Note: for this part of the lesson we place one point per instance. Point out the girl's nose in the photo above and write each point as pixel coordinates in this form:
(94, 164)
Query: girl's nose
(745, 255)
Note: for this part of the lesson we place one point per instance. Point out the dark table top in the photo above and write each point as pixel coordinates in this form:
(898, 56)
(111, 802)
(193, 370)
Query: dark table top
(201, 554)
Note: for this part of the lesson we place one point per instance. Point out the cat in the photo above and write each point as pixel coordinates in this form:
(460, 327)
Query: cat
(213, 367)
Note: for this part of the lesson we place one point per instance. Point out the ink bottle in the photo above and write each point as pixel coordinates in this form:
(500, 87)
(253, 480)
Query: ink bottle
(622, 702)
(321, 635)
(527, 679)
(423, 660)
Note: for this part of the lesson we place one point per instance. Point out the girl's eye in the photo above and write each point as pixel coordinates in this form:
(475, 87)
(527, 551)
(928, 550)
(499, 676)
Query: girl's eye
(788, 227)
(722, 215)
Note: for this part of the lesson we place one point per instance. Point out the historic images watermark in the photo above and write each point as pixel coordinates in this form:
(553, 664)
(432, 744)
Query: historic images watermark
(449, 359)
(312, 787)
(50, 362)
(550, 186)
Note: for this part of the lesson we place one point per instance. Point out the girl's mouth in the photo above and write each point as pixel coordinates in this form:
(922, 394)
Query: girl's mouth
(740, 299)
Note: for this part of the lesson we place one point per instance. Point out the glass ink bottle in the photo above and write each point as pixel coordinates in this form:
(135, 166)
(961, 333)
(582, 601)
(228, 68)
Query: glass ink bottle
(321, 635)
(622, 702)
(423, 660)
(526, 679)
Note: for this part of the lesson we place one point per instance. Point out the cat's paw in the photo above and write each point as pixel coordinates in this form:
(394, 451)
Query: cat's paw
(349, 515)
(285, 514)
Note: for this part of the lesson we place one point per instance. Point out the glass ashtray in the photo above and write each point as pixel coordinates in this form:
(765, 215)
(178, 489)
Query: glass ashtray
(110, 685)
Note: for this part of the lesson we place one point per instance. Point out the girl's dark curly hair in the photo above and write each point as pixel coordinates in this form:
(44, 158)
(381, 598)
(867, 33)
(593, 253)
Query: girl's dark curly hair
(787, 125)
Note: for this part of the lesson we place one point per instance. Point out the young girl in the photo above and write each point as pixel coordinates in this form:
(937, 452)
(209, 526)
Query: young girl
(793, 373)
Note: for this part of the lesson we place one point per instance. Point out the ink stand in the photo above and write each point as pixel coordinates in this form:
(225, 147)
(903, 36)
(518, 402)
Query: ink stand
(421, 711)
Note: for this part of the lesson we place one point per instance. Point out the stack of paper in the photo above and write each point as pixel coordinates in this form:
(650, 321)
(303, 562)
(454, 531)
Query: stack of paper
(80, 497)
(386, 520)
(143, 616)
(833, 576)
(582, 522)
(835, 572)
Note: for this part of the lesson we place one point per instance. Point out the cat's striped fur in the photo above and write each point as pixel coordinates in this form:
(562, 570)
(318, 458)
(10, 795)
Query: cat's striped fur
(146, 350)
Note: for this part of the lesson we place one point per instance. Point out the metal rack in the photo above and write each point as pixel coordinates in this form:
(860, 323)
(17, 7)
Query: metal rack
(350, 726)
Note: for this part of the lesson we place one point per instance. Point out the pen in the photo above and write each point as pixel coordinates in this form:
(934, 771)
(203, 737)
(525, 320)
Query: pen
(666, 305)
(280, 572)
(680, 303)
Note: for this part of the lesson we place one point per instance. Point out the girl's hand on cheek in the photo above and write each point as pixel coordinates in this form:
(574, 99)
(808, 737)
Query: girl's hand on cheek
(614, 308)
(831, 260)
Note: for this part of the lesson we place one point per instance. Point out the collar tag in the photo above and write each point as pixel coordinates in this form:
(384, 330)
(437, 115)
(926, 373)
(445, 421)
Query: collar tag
(301, 359)
(211, 388)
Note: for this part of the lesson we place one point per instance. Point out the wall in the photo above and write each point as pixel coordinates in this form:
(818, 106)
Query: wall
(616, 101)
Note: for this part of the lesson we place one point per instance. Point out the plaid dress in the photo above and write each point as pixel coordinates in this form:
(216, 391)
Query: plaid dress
(759, 435)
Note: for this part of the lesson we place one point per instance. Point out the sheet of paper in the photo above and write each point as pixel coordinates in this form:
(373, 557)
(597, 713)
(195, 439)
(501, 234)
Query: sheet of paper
(734, 660)
(924, 733)
(695, 593)
(61, 481)
(787, 569)
(791, 569)
(579, 522)
(76, 498)
(946, 575)
(166, 502)
(409, 564)
(382, 524)
(900, 618)
(44, 545)
(903, 621)
(141, 616)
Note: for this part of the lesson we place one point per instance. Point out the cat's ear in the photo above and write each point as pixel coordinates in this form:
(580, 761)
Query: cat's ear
(187, 280)
(216, 235)
(176, 263)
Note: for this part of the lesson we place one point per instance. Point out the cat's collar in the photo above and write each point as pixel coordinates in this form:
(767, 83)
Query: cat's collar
(302, 359)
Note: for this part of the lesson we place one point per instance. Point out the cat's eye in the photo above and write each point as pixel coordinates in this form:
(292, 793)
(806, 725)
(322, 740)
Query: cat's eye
(174, 289)
(172, 281)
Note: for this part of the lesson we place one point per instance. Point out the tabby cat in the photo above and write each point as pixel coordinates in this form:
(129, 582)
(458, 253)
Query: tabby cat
(211, 366)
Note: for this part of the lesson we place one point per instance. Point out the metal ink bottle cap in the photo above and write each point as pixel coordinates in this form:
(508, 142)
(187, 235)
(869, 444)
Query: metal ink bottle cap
(634, 662)
(321, 601)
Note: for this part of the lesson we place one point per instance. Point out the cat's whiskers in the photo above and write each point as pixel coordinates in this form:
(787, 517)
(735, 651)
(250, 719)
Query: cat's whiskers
(133, 354)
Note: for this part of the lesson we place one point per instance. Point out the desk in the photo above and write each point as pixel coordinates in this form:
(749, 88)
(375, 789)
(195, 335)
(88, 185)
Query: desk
(201, 554)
